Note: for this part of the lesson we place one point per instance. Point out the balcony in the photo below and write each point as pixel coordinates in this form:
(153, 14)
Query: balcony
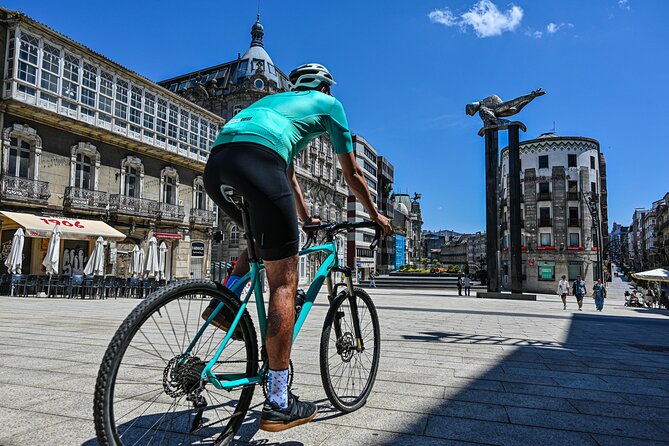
(574, 223)
(202, 217)
(574, 196)
(171, 212)
(543, 196)
(142, 207)
(85, 199)
(545, 223)
(24, 190)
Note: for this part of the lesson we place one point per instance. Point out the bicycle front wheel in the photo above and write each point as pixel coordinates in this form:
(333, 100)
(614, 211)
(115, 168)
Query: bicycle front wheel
(149, 390)
(348, 368)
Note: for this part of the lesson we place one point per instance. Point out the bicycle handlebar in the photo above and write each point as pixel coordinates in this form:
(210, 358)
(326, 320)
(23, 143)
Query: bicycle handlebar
(333, 228)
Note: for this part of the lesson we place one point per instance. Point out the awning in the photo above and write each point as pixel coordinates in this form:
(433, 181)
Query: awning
(72, 228)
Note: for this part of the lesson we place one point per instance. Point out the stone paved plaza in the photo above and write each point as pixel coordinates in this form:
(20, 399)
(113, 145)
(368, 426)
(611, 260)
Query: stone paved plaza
(453, 371)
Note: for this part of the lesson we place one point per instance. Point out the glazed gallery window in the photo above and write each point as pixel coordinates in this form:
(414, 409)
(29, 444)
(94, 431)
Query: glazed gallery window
(70, 87)
(131, 182)
(50, 68)
(83, 177)
(19, 158)
(27, 69)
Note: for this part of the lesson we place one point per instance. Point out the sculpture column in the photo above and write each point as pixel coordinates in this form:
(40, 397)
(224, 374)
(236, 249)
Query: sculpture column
(514, 207)
(492, 237)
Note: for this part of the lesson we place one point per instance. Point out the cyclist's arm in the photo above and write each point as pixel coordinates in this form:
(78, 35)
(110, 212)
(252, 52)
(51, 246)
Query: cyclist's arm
(300, 205)
(355, 179)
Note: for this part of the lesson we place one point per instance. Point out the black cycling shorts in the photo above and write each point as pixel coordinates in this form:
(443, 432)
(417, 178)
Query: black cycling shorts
(258, 174)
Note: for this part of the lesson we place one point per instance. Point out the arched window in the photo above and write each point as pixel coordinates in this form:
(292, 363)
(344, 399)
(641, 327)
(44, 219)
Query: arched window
(234, 236)
(132, 177)
(85, 166)
(199, 195)
(21, 150)
(169, 185)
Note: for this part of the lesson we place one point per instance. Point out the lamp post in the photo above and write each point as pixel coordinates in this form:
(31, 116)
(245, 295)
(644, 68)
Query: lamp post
(593, 207)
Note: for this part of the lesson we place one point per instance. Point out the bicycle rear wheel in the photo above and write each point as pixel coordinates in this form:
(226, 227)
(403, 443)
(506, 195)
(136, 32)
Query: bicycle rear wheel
(149, 392)
(348, 371)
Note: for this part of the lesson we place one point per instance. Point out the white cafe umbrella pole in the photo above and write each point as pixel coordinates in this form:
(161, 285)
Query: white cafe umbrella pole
(162, 257)
(152, 262)
(52, 255)
(96, 262)
(136, 261)
(14, 260)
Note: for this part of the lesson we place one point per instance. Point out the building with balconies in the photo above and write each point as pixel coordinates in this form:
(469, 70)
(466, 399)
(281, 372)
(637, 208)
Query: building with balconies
(85, 138)
(558, 236)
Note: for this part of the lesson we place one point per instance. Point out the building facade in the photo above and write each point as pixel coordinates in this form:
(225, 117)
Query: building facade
(385, 257)
(558, 175)
(358, 240)
(85, 139)
(467, 251)
(226, 89)
(414, 228)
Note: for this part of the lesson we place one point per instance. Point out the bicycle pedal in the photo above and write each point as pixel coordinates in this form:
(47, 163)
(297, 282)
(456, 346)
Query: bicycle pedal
(340, 314)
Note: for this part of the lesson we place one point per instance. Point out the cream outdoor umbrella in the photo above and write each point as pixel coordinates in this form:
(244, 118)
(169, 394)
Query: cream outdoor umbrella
(162, 258)
(655, 275)
(137, 261)
(152, 262)
(14, 260)
(96, 262)
(52, 255)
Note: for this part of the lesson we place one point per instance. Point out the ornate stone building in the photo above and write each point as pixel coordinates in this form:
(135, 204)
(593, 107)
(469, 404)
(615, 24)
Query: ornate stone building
(225, 90)
(558, 236)
(100, 150)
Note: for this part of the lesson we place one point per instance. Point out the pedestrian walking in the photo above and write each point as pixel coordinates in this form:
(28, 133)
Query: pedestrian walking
(579, 291)
(563, 291)
(599, 293)
(372, 283)
(459, 285)
(467, 284)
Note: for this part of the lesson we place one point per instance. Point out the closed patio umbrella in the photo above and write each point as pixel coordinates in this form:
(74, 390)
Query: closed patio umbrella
(96, 262)
(162, 258)
(152, 262)
(14, 260)
(52, 255)
(137, 261)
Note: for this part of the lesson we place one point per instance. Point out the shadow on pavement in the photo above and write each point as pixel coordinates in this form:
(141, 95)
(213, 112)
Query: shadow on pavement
(605, 385)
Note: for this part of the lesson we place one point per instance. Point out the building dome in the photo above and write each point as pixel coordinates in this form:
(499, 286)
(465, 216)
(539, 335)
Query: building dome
(255, 59)
(401, 207)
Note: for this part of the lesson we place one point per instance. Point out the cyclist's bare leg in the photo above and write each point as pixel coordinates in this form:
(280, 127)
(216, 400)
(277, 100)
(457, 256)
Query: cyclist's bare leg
(282, 279)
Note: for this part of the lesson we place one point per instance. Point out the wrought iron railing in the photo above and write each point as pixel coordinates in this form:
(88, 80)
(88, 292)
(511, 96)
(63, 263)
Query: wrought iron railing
(544, 196)
(78, 198)
(574, 196)
(545, 223)
(123, 204)
(24, 189)
(203, 217)
(170, 211)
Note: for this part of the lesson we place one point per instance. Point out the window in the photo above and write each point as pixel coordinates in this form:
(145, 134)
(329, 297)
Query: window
(593, 188)
(371, 183)
(70, 86)
(574, 239)
(19, 158)
(571, 160)
(543, 161)
(573, 217)
(592, 162)
(131, 182)
(50, 68)
(236, 109)
(135, 105)
(574, 269)
(169, 190)
(120, 108)
(83, 169)
(234, 236)
(28, 60)
(200, 196)
(544, 216)
(106, 92)
(544, 187)
(369, 168)
(364, 252)
(545, 239)
(370, 155)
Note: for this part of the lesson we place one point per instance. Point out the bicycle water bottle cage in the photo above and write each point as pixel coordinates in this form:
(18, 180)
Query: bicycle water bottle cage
(231, 195)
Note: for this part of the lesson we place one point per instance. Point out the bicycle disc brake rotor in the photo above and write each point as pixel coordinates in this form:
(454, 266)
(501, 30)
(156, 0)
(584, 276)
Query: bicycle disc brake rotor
(182, 375)
(345, 346)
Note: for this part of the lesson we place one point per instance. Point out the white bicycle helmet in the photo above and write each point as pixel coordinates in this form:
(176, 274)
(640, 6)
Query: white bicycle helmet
(310, 76)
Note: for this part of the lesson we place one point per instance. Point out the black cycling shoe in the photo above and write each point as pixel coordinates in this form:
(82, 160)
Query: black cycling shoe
(276, 419)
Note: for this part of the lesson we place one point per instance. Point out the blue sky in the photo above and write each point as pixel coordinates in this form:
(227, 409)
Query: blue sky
(406, 69)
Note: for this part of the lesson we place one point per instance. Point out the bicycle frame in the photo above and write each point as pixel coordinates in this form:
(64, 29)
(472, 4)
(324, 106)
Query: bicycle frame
(230, 381)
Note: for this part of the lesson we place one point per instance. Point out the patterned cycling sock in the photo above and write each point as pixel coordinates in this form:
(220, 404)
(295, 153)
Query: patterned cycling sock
(278, 387)
(231, 281)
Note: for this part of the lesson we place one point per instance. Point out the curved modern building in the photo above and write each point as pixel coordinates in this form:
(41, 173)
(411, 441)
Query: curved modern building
(559, 175)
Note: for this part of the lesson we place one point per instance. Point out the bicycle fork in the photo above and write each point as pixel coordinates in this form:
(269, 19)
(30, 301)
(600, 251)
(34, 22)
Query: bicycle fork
(332, 293)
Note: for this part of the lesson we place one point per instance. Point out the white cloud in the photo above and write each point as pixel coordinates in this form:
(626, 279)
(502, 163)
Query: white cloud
(484, 18)
(623, 4)
(552, 28)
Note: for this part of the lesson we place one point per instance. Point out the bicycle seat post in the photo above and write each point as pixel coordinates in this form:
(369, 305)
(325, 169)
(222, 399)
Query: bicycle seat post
(248, 233)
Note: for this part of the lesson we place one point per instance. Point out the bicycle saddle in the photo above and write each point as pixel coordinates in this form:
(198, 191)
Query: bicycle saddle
(231, 195)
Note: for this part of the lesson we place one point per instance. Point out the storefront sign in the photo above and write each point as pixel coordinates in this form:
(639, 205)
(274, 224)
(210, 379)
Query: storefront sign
(197, 249)
(546, 272)
(168, 235)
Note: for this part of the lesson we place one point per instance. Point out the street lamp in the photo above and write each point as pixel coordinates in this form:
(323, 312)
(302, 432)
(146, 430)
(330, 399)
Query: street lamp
(593, 207)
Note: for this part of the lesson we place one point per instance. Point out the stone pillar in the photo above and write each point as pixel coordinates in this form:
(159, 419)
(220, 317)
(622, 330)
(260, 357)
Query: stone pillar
(491, 172)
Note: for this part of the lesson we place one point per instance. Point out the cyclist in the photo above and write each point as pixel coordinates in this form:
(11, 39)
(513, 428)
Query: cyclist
(253, 153)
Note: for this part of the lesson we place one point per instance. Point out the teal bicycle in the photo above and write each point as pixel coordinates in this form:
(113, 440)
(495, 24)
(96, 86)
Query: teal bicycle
(170, 377)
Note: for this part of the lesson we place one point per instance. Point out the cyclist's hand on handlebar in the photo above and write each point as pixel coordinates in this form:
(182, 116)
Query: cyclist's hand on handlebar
(311, 221)
(384, 223)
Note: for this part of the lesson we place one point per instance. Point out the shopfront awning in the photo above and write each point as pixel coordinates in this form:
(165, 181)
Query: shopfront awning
(72, 228)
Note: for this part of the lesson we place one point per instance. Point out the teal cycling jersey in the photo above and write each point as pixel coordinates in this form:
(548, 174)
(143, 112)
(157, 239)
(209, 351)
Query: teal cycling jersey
(286, 122)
